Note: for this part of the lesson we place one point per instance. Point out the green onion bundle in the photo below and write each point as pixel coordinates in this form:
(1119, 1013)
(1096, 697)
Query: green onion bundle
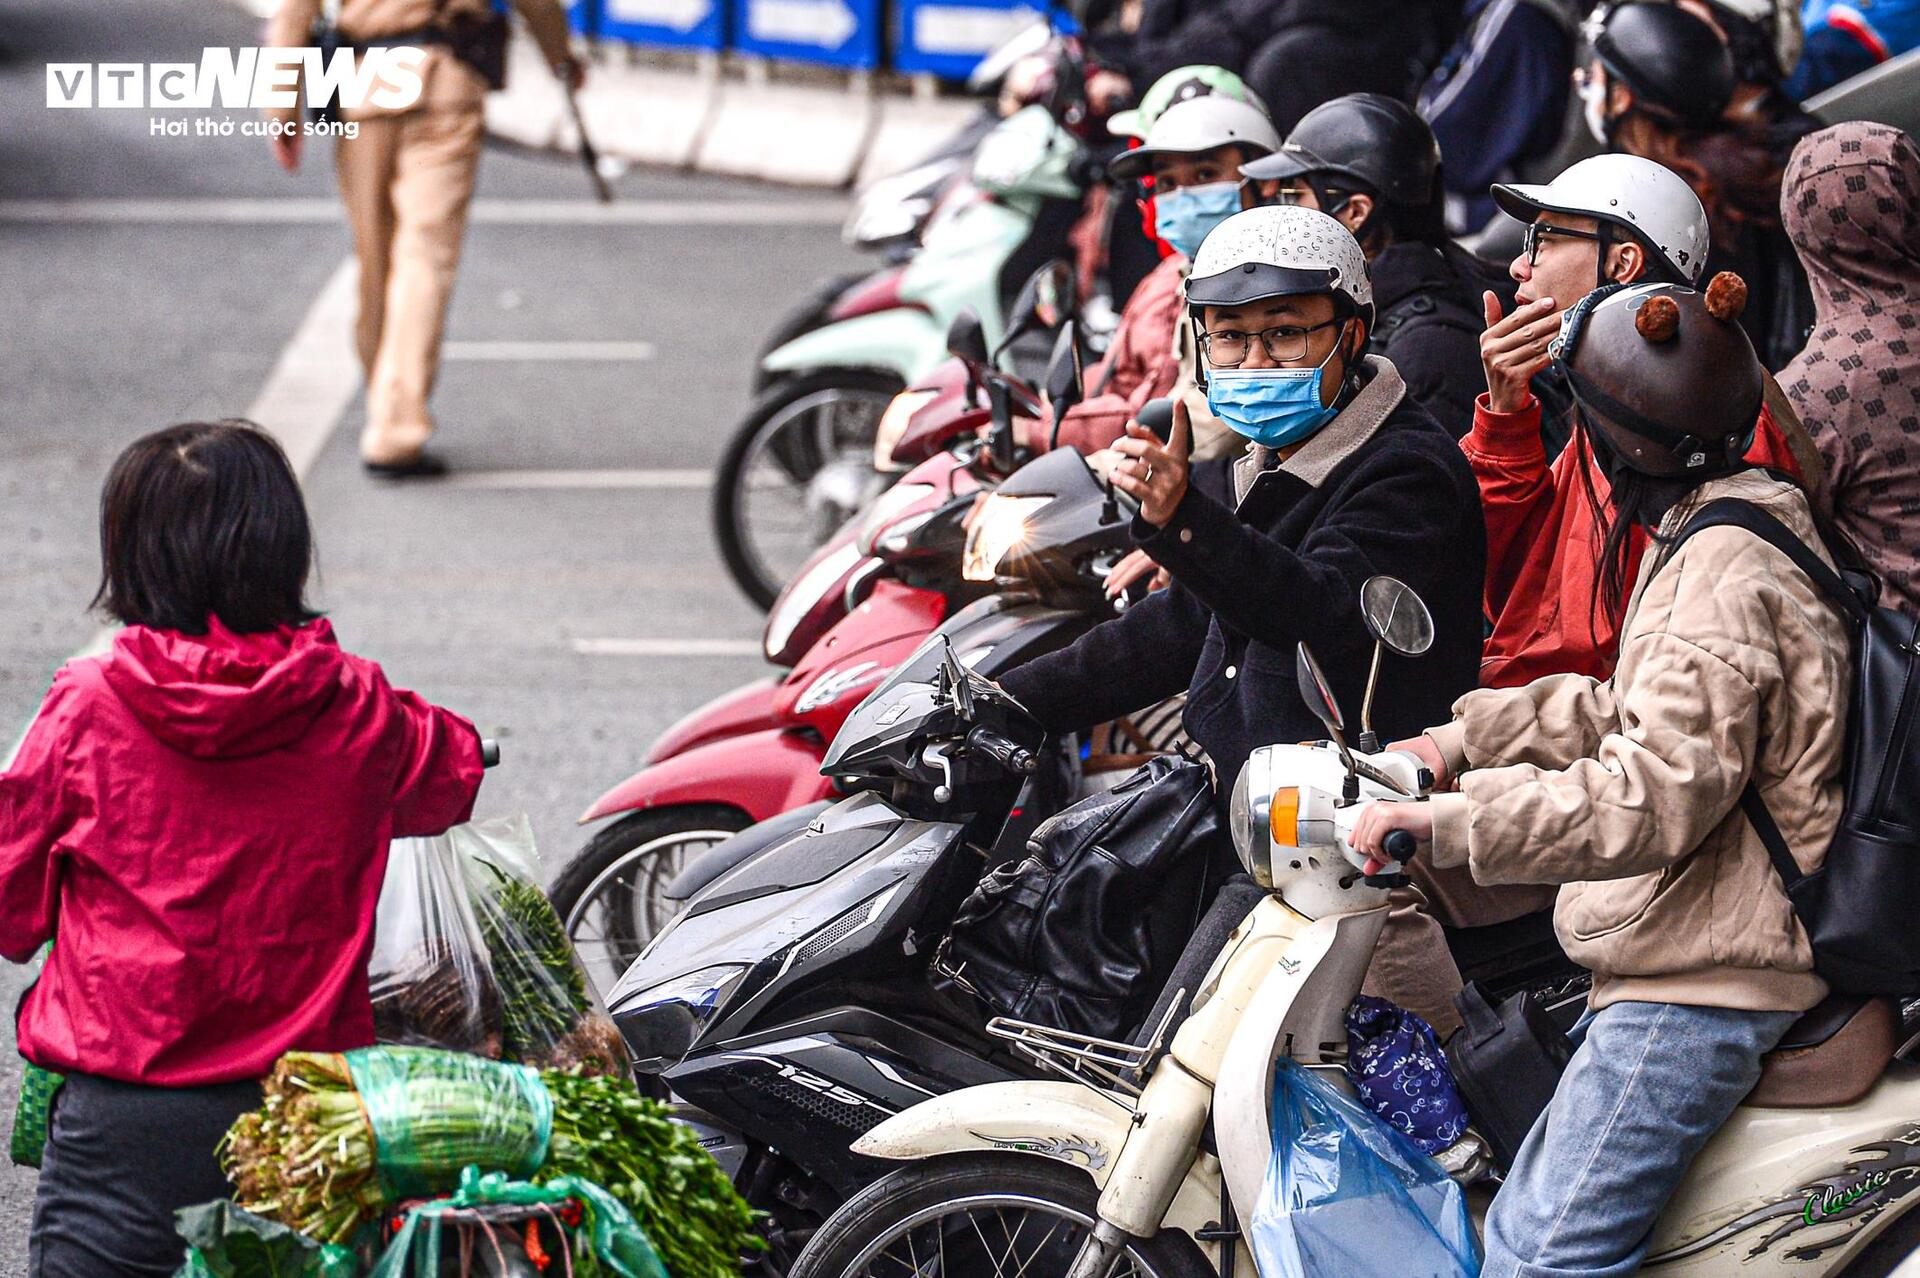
(341, 1138)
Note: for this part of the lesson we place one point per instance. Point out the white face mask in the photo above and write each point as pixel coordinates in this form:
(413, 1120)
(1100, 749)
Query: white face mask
(1594, 91)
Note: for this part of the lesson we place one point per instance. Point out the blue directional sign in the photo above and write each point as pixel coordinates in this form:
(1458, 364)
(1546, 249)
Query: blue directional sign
(681, 24)
(841, 33)
(947, 37)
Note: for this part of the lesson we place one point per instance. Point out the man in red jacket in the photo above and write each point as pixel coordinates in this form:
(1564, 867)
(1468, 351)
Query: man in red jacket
(1611, 219)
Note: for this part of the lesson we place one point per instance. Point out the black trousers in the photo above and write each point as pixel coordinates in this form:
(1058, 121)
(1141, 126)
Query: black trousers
(121, 1158)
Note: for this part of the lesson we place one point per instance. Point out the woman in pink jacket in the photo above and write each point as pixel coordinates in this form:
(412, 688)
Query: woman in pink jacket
(202, 816)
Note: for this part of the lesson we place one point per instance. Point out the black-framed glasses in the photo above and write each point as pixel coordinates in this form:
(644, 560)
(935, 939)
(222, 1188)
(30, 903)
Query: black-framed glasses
(1284, 343)
(1538, 231)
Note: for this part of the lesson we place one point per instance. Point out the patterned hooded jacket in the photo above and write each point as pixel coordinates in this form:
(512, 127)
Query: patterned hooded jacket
(1851, 202)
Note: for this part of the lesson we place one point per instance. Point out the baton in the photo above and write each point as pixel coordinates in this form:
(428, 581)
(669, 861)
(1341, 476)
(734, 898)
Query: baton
(588, 156)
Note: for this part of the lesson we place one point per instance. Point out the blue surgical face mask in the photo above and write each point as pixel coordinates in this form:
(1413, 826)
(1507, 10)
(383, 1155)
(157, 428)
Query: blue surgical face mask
(1184, 217)
(1273, 407)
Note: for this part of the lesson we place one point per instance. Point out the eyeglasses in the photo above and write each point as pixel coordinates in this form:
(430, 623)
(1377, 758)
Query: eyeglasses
(1284, 343)
(1537, 231)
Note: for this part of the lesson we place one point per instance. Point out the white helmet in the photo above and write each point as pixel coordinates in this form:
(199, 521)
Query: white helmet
(1651, 203)
(1200, 124)
(1276, 251)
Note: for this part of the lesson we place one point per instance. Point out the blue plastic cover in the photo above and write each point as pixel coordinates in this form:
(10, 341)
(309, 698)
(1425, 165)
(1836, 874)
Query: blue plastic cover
(1346, 1194)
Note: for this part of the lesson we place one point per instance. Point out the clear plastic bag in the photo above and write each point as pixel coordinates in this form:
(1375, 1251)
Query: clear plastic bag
(1346, 1194)
(550, 1016)
(429, 974)
(470, 956)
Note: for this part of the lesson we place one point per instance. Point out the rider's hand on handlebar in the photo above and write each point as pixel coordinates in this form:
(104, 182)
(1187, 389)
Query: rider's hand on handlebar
(1423, 749)
(1136, 565)
(1155, 474)
(1381, 819)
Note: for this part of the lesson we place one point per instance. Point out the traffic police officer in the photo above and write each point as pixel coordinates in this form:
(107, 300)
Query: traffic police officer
(406, 178)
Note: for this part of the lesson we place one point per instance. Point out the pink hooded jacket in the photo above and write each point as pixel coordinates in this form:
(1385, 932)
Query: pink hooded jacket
(204, 821)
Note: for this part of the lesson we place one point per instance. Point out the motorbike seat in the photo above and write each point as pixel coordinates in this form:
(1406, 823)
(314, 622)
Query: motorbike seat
(1831, 1056)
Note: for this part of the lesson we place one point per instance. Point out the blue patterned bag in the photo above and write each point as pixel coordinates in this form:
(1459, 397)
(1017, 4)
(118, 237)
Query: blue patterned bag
(1399, 1071)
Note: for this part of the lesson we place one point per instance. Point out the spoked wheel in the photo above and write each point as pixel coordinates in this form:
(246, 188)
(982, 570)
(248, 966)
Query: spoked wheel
(799, 467)
(980, 1216)
(610, 894)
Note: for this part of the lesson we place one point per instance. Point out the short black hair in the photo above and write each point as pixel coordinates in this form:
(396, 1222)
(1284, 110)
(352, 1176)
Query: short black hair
(204, 519)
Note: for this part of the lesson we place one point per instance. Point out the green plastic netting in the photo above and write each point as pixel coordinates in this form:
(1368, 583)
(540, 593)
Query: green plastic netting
(432, 1112)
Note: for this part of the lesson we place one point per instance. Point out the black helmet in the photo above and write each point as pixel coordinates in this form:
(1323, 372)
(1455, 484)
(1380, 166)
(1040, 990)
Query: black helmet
(1675, 63)
(1375, 140)
(1664, 375)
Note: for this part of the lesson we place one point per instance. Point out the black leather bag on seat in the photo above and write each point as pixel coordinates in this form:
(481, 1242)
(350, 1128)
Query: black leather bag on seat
(1074, 934)
(1507, 1060)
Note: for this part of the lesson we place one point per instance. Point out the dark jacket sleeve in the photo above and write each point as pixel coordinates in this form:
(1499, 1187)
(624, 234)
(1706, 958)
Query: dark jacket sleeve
(1504, 96)
(1397, 512)
(1441, 364)
(1143, 656)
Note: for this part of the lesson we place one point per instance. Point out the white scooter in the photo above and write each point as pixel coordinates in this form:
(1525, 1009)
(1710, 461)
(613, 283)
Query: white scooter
(1145, 1158)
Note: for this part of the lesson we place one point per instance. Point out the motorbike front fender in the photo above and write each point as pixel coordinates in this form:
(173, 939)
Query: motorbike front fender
(903, 341)
(751, 707)
(762, 773)
(1066, 1122)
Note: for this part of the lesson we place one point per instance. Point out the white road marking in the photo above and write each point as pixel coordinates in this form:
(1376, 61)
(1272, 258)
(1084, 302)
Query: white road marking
(316, 209)
(668, 647)
(547, 351)
(565, 479)
(316, 376)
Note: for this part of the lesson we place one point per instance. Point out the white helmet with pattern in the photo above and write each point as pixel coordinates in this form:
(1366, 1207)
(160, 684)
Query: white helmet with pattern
(1277, 251)
(1652, 203)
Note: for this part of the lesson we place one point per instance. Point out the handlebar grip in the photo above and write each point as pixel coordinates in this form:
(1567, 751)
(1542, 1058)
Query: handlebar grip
(1400, 845)
(1008, 754)
(489, 752)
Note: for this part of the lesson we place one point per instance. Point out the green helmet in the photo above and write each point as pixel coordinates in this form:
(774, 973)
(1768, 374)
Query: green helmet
(1177, 85)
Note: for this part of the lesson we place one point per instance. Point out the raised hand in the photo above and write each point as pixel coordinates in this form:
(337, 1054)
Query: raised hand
(1514, 348)
(1155, 474)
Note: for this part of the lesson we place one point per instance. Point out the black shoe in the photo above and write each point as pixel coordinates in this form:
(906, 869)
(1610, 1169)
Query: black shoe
(419, 466)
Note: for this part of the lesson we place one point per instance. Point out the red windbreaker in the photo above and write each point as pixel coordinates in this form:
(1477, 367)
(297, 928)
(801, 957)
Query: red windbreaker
(204, 821)
(1543, 548)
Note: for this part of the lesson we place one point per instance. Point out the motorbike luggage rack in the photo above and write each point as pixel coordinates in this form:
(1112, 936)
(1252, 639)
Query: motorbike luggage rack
(1101, 1063)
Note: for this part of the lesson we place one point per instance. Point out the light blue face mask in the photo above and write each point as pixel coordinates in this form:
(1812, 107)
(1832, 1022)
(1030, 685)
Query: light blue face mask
(1183, 217)
(1273, 407)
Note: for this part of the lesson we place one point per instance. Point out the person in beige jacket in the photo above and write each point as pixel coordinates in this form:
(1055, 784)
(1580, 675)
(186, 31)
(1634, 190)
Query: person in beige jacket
(406, 176)
(1733, 668)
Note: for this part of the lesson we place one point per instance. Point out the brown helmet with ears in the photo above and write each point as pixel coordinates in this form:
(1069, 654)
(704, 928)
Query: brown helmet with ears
(1665, 375)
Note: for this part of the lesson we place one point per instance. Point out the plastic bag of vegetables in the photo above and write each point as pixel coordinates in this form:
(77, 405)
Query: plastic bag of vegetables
(549, 1015)
(430, 975)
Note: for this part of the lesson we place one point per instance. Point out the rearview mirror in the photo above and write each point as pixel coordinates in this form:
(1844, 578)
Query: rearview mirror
(1157, 416)
(1316, 691)
(1396, 615)
(1065, 380)
(967, 340)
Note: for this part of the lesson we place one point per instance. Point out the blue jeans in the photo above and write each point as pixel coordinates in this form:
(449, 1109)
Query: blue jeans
(1648, 1085)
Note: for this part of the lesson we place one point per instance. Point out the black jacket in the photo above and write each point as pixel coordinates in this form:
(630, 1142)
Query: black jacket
(1381, 489)
(1428, 320)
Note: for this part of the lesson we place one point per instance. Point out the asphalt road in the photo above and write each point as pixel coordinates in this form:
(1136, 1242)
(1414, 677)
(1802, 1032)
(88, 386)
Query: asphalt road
(153, 280)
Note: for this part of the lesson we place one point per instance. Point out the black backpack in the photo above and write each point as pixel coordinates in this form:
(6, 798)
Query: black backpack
(1861, 908)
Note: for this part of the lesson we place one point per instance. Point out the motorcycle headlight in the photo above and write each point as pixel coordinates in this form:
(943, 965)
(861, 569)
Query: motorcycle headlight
(662, 1023)
(999, 527)
(799, 599)
(1250, 817)
(893, 425)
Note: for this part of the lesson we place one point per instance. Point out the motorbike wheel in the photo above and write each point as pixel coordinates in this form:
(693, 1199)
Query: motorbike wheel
(802, 319)
(609, 895)
(1021, 1215)
(798, 467)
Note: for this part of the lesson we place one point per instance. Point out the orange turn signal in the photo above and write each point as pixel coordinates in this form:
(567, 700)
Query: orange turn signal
(1283, 817)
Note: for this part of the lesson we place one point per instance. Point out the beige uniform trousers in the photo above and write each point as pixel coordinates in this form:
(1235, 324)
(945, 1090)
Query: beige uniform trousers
(407, 180)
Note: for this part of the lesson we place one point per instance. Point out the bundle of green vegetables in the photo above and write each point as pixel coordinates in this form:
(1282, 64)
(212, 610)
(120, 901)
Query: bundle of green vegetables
(341, 1138)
